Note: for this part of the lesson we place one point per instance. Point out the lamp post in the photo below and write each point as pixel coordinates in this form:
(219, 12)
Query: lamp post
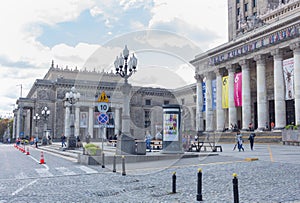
(45, 113)
(36, 119)
(72, 98)
(125, 69)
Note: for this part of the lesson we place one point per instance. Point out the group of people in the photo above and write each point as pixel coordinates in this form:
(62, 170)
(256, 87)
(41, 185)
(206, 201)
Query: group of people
(239, 139)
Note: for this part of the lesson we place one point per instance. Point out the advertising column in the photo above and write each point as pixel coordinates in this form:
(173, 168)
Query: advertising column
(172, 140)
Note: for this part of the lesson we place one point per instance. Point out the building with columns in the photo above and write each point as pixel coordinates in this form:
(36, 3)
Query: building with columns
(145, 105)
(253, 78)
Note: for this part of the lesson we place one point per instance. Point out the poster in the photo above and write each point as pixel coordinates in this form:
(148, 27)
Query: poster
(214, 94)
(83, 119)
(111, 120)
(288, 72)
(225, 102)
(204, 96)
(170, 127)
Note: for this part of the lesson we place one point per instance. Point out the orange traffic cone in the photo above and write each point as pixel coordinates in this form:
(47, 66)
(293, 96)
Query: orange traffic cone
(24, 151)
(42, 161)
(27, 153)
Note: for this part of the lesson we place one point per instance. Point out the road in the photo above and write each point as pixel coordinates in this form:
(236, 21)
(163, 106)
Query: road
(275, 177)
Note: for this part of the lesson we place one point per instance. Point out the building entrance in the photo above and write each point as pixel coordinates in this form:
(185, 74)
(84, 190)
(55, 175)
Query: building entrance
(290, 111)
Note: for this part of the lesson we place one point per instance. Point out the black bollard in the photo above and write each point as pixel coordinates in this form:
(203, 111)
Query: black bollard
(235, 188)
(114, 164)
(174, 182)
(103, 160)
(199, 185)
(123, 166)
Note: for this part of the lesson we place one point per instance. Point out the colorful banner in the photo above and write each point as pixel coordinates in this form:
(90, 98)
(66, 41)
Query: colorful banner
(238, 89)
(204, 96)
(170, 127)
(214, 94)
(288, 72)
(225, 103)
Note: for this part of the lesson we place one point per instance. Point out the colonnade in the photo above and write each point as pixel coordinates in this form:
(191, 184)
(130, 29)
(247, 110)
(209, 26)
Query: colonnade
(261, 89)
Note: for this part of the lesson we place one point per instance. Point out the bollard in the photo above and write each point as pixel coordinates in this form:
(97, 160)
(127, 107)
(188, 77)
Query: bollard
(235, 188)
(103, 160)
(123, 166)
(114, 164)
(174, 182)
(199, 185)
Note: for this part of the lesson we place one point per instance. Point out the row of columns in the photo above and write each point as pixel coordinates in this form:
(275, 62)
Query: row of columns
(262, 112)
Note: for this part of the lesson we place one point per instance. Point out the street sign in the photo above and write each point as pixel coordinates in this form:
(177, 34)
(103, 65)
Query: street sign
(102, 118)
(103, 103)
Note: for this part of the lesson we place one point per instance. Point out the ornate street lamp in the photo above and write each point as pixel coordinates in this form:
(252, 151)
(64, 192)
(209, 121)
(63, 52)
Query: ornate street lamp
(36, 119)
(45, 113)
(125, 69)
(72, 98)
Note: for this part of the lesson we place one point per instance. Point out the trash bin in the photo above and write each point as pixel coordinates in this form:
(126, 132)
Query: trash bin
(140, 147)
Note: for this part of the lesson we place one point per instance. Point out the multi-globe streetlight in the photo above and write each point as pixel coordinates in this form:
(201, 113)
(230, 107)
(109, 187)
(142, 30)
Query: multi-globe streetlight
(45, 113)
(72, 98)
(125, 68)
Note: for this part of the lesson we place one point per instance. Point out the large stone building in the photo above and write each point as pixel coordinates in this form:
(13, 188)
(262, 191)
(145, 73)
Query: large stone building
(257, 73)
(145, 105)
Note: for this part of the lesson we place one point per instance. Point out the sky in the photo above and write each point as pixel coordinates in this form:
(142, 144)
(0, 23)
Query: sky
(164, 35)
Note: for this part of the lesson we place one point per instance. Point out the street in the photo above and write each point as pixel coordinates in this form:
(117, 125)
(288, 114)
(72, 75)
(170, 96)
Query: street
(275, 177)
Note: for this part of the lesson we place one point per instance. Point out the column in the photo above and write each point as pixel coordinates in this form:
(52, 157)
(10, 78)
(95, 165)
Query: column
(76, 122)
(296, 52)
(117, 121)
(246, 94)
(67, 121)
(279, 97)
(232, 109)
(91, 121)
(219, 109)
(261, 91)
(18, 122)
(14, 127)
(199, 103)
(208, 110)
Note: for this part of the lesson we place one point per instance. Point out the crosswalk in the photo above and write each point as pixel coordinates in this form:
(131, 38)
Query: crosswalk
(57, 171)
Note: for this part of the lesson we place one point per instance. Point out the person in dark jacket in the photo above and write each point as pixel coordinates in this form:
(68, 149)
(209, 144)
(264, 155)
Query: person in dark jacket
(251, 139)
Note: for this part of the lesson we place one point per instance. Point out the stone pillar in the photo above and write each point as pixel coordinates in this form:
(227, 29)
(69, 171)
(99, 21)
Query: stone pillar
(76, 122)
(14, 127)
(261, 91)
(117, 121)
(19, 122)
(279, 97)
(67, 121)
(91, 121)
(246, 94)
(199, 103)
(219, 109)
(208, 110)
(232, 109)
(296, 52)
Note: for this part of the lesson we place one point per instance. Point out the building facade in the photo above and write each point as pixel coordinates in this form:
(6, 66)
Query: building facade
(145, 106)
(256, 73)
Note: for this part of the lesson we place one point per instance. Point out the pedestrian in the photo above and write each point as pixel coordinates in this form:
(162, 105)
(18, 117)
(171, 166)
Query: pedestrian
(78, 142)
(148, 141)
(49, 139)
(240, 141)
(251, 139)
(36, 140)
(63, 140)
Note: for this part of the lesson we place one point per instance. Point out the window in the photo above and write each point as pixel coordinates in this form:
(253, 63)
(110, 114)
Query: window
(182, 101)
(238, 11)
(147, 118)
(254, 14)
(166, 102)
(148, 102)
(254, 3)
(237, 1)
(246, 7)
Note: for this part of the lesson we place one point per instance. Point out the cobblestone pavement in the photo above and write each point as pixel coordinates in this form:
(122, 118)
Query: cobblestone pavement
(265, 180)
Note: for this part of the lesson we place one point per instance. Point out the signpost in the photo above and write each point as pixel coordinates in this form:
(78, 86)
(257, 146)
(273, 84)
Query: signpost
(103, 117)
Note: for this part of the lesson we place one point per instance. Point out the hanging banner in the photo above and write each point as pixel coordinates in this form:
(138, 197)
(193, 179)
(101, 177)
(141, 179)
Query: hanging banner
(288, 72)
(204, 96)
(214, 94)
(225, 103)
(83, 119)
(238, 89)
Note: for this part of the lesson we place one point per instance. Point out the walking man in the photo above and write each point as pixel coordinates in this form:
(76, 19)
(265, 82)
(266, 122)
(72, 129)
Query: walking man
(251, 139)
(63, 140)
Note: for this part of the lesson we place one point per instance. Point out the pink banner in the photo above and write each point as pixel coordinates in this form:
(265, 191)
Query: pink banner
(238, 89)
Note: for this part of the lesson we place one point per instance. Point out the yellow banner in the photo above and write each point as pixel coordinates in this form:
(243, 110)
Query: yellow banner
(225, 92)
